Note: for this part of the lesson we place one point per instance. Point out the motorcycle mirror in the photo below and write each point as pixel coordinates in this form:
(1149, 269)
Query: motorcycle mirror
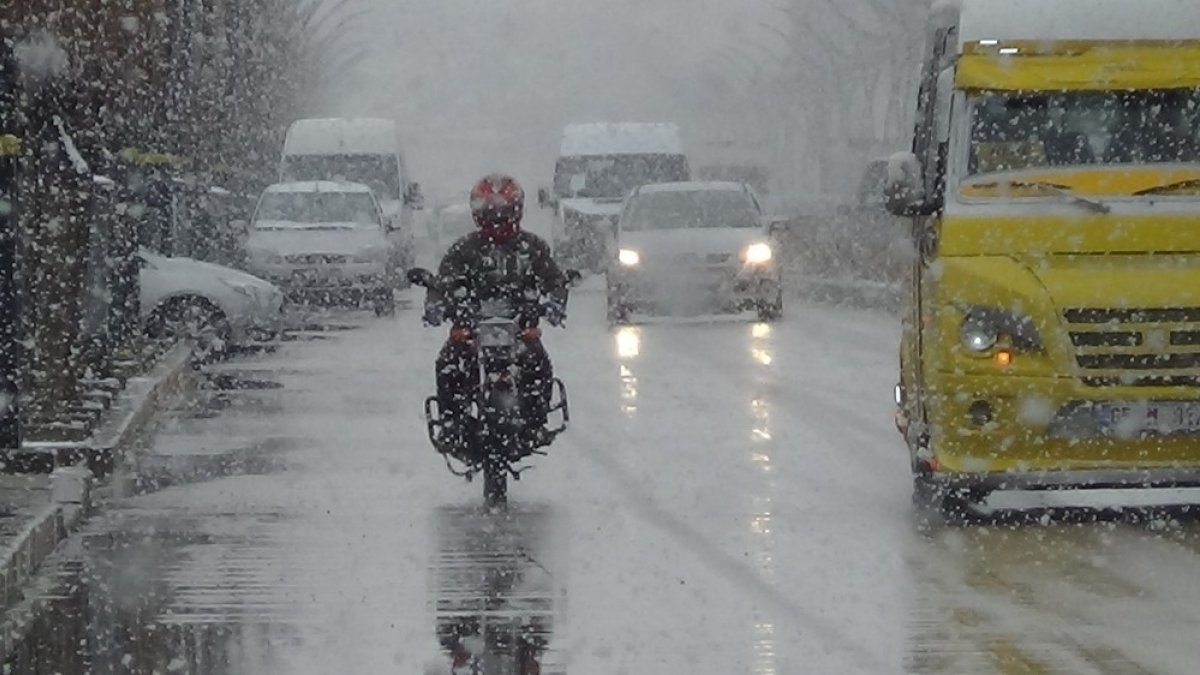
(420, 276)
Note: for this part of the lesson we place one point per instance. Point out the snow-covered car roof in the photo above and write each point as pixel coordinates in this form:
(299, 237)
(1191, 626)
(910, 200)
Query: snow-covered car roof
(318, 186)
(694, 186)
(621, 138)
(341, 136)
(985, 20)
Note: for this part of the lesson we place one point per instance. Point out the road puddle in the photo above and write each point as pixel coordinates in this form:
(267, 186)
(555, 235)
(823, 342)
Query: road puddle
(497, 591)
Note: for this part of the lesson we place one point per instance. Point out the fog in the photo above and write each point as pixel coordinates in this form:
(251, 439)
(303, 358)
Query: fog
(479, 86)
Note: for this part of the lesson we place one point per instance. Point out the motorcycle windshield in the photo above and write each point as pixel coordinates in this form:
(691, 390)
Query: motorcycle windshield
(497, 333)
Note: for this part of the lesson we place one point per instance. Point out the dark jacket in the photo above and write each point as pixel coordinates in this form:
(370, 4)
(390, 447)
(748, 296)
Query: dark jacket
(477, 270)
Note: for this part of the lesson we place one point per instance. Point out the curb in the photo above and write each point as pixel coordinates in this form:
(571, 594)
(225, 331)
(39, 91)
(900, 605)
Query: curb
(121, 434)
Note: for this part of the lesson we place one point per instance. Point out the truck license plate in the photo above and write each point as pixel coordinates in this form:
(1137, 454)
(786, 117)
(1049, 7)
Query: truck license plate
(1155, 418)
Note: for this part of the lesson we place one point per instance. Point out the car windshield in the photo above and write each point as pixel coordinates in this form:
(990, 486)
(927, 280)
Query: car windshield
(306, 209)
(381, 173)
(614, 176)
(695, 209)
(1012, 132)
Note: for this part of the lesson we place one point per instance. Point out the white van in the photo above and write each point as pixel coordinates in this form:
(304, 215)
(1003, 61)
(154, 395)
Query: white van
(598, 166)
(325, 241)
(359, 150)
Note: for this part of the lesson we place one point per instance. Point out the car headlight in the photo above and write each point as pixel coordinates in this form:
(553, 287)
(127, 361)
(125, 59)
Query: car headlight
(240, 287)
(629, 257)
(758, 254)
(983, 327)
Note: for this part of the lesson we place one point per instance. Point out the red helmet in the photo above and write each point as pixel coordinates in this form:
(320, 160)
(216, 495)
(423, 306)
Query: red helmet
(497, 204)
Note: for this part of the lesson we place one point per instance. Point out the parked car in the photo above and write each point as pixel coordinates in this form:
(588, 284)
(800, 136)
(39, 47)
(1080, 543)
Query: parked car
(216, 306)
(694, 245)
(327, 242)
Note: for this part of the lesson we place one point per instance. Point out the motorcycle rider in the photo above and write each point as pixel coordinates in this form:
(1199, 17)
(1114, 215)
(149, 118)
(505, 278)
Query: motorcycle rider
(499, 262)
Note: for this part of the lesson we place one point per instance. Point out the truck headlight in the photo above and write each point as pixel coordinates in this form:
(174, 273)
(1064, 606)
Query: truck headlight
(629, 257)
(983, 327)
(979, 335)
(758, 254)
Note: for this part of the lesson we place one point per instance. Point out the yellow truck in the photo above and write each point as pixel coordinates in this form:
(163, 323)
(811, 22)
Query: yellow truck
(1052, 338)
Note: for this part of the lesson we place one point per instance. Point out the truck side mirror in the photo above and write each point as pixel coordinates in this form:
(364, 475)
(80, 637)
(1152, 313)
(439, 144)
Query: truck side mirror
(904, 189)
(545, 200)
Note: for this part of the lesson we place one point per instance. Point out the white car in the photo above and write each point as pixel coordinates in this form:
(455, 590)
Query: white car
(215, 305)
(694, 245)
(327, 241)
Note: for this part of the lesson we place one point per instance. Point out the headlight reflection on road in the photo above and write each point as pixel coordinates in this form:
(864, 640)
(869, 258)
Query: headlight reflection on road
(760, 347)
(629, 342)
(760, 414)
(629, 347)
(764, 656)
(629, 391)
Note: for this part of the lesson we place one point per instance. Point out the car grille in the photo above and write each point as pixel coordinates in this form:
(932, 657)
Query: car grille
(692, 259)
(1136, 347)
(317, 259)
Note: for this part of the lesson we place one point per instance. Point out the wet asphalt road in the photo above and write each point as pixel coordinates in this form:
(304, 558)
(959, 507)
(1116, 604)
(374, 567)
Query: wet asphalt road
(730, 499)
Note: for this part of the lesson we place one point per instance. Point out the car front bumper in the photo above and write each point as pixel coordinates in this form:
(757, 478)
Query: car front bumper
(260, 319)
(304, 280)
(722, 287)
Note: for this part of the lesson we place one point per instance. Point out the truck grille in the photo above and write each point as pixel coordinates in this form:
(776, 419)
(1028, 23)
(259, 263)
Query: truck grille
(1136, 347)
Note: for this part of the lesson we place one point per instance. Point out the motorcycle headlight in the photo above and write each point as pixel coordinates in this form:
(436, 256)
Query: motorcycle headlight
(758, 254)
(629, 257)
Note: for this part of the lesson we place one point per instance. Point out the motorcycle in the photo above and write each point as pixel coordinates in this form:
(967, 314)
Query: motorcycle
(496, 446)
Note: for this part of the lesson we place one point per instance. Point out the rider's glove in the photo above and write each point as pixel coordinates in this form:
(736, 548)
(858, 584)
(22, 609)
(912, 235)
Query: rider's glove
(555, 312)
(435, 313)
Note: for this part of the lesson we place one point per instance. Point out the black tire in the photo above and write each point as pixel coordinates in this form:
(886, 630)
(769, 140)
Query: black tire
(192, 317)
(495, 483)
(933, 501)
(772, 311)
(383, 302)
(618, 313)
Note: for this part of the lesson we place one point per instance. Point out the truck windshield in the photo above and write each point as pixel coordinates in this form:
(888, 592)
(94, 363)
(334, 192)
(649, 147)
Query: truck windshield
(1015, 131)
(280, 210)
(613, 176)
(379, 172)
(689, 210)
